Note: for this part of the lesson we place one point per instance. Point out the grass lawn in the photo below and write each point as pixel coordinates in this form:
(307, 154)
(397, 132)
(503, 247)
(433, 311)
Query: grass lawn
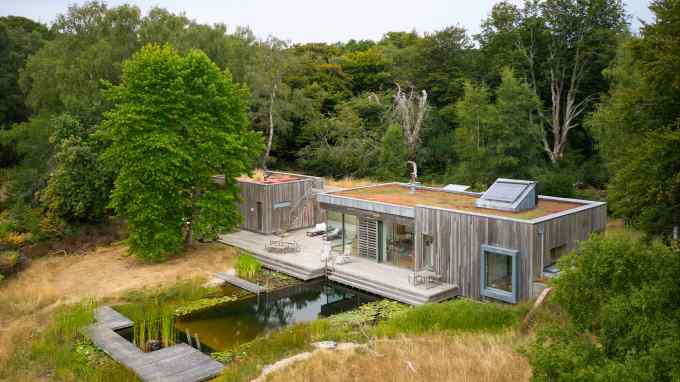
(396, 194)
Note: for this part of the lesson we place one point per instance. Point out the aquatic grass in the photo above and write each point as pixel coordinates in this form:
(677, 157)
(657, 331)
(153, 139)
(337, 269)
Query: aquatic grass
(182, 291)
(202, 304)
(456, 315)
(153, 310)
(151, 322)
(247, 266)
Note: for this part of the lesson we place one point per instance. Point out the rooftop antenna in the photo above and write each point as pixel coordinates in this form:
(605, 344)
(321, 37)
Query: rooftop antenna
(414, 176)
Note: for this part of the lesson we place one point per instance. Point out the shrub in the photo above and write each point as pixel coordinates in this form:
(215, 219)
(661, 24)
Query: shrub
(247, 266)
(556, 182)
(8, 260)
(619, 294)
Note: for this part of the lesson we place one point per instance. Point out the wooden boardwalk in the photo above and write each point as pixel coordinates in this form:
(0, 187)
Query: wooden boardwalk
(177, 363)
(110, 318)
(241, 283)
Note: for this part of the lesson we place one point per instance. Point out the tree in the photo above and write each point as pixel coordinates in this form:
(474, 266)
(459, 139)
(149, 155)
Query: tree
(79, 183)
(637, 127)
(565, 45)
(497, 139)
(393, 155)
(409, 111)
(19, 38)
(177, 121)
(340, 146)
(368, 69)
(622, 315)
(266, 80)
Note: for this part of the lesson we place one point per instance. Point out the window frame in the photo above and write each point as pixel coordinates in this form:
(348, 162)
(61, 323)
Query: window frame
(511, 297)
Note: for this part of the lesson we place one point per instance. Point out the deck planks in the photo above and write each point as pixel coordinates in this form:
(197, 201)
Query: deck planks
(111, 319)
(177, 363)
(241, 283)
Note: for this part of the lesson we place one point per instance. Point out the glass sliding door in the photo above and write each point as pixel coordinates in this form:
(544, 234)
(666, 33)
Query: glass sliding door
(334, 230)
(350, 239)
(399, 248)
(341, 231)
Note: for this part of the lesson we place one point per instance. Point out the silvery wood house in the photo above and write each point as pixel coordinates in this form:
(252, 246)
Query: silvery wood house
(492, 245)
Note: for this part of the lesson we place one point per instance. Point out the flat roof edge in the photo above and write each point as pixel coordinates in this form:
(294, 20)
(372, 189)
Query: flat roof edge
(525, 221)
(556, 215)
(368, 205)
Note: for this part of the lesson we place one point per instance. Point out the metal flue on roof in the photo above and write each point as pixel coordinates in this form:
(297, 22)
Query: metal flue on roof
(509, 195)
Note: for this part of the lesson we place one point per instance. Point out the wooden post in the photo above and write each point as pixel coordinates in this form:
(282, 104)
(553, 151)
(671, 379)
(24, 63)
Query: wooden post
(186, 332)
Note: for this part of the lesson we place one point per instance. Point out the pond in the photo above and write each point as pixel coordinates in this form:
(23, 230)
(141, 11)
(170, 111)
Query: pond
(243, 320)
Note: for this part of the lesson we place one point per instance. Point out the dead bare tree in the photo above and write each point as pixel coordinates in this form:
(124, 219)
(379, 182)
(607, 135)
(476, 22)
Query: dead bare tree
(567, 60)
(564, 86)
(410, 109)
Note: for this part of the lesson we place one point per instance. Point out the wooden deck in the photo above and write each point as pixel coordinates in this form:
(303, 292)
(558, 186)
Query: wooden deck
(383, 280)
(304, 265)
(177, 363)
(389, 281)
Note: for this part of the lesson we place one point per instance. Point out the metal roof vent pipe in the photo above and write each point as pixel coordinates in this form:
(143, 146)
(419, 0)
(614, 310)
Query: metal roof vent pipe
(414, 176)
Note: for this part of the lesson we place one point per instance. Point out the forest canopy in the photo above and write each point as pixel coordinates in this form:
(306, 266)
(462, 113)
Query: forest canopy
(552, 90)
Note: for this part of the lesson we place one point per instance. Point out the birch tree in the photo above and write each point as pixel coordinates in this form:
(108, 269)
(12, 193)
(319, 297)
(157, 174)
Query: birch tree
(266, 81)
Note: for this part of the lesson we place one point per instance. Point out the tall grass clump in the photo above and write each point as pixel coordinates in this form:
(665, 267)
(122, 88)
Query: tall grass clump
(152, 310)
(63, 353)
(247, 266)
(70, 319)
(153, 325)
(457, 315)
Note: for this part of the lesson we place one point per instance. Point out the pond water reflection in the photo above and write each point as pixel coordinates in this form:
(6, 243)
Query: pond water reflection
(241, 321)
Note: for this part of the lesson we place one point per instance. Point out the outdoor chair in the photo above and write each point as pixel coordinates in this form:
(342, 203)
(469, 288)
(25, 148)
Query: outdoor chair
(343, 259)
(425, 276)
(318, 229)
(280, 246)
(333, 234)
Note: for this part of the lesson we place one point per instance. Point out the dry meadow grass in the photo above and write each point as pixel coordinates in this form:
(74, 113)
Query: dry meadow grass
(451, 358)
(27, 299)
(349, 182)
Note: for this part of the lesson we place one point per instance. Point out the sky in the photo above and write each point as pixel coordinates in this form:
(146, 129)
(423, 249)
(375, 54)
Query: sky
(301, 21)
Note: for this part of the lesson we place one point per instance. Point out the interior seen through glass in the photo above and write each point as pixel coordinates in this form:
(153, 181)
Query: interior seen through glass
(498, 271)
(396, 246)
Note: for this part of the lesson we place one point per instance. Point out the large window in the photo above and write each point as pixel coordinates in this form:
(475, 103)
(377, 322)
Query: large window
(341, 232)
(334, 230)
(350, 239)
(399, 245)
(499, 273)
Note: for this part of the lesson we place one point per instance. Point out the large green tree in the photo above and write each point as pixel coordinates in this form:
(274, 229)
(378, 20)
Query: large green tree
(561, 47)
(177, 122)
(497, 139)
(638, 125)
(19, 38)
